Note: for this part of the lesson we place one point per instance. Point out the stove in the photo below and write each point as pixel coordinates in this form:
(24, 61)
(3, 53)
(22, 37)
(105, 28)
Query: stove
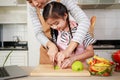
(107, 44)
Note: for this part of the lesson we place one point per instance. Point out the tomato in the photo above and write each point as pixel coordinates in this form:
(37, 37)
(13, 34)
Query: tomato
(116, 56)
(112, 63)
(106, 74)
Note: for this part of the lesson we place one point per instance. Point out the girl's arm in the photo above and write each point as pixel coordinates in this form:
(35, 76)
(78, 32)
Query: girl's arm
(89, 52)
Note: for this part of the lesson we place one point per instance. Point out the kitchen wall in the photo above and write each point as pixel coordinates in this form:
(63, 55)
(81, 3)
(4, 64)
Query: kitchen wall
(13, 19)
(12, 30)
(107, 23)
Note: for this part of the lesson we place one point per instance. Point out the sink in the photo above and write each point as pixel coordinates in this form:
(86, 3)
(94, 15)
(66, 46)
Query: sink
(12, 45)
(13, 48)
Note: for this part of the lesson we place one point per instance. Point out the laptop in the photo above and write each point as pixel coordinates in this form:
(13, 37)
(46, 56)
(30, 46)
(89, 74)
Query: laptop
(12, 71)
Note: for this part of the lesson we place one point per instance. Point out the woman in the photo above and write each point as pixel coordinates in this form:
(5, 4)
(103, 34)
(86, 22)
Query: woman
(75, 11)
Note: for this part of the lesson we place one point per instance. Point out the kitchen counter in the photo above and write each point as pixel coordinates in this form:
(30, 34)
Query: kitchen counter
(12, 48)
(106, 45)
(12, 45)
(115, 76)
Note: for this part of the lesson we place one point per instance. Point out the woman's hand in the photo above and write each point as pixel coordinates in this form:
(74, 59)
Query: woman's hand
(60, 58)
(52, 50)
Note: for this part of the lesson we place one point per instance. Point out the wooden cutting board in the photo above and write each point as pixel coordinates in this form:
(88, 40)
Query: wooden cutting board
(48, 70)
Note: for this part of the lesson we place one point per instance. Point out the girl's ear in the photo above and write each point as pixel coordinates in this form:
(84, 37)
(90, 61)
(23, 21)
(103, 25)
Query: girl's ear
(65, 16)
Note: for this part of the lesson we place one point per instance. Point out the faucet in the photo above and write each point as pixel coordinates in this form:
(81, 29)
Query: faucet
(16, 38)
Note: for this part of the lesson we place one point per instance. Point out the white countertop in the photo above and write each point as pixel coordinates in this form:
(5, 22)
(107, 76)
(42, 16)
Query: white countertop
(115, 76)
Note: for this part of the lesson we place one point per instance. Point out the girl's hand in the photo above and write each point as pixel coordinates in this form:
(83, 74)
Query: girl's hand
(52, 51)
(61, 56)
(67, 63)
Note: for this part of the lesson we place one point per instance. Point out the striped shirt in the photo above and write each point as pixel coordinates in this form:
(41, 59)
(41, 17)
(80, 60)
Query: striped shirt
(64, 38)
(75, 11)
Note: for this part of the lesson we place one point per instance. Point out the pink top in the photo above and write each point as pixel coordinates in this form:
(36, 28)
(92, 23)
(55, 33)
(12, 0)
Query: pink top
(64, 39)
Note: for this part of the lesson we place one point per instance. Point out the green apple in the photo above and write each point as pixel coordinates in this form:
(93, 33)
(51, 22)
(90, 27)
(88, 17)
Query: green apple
(56, 67)
(77, 66)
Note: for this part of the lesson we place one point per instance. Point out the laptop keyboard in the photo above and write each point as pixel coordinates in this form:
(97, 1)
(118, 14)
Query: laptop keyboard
(3, 72)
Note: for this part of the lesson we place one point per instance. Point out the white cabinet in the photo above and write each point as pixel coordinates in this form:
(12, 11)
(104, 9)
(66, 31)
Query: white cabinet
(9, 15)
(7, 2)
(88, 1)
(16, 58)
(12, 2)
(98, 4)
(97, 1)
(13, 14)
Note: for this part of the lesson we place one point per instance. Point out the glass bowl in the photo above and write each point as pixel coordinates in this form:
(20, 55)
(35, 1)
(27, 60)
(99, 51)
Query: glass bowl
(101, 70)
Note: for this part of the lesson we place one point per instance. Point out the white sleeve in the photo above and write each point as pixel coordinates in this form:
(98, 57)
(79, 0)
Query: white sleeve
(88, 40)
(37, 26)
(80, 17)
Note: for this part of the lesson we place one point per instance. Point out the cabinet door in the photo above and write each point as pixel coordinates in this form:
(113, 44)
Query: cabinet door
(88, 1)
(19, 58)
(13, 15)
(98, 1)
(8, 2)
(16, 58)
(3, 55)
(107, 1)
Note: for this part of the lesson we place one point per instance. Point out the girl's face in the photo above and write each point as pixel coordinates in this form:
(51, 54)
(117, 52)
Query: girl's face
(39, 3)
(58, 24)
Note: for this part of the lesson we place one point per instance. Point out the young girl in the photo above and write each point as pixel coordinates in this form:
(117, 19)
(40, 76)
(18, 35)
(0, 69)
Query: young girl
(76, 12)
(56, 15)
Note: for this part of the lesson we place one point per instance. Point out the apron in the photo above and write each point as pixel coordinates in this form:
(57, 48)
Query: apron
(44, 58)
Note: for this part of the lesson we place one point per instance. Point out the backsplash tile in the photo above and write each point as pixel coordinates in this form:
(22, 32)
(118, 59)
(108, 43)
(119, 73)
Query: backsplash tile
(107, 24)
(12, 30)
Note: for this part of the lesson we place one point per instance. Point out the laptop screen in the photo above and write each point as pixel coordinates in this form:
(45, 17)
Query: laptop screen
(13, 71)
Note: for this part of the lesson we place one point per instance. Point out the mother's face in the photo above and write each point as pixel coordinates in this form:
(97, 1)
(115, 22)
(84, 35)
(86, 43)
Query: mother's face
(39, 3)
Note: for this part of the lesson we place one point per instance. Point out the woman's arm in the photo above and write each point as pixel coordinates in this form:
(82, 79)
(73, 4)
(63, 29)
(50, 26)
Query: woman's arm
(83, 25)
(52, 49)
(37, 26)
(80, 17)
(89, 52)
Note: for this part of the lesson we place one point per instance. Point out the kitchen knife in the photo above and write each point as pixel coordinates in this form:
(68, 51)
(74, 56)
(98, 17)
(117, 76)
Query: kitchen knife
(54, 63)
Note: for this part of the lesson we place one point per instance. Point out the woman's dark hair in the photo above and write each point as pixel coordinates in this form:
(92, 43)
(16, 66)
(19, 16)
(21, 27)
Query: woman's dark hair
(55, 10)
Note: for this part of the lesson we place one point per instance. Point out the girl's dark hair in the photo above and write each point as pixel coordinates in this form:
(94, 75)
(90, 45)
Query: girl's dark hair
(55, 10)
